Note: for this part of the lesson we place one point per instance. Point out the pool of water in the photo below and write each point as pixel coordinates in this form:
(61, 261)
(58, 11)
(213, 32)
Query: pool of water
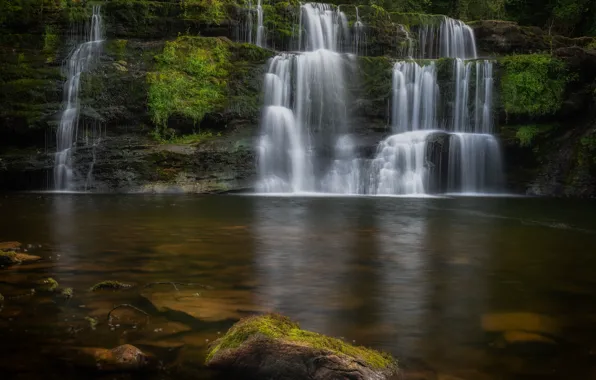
(472, 288)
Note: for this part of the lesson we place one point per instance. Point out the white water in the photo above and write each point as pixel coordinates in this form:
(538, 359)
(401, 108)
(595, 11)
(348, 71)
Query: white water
(251, 34)
(400, 165)
(474, 163)
(415, 97)
(81, 60)
(450, 38)
(306, 145)
(304, 96)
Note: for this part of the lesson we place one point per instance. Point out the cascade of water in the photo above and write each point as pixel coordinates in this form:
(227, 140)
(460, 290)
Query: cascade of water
(305, 98)
(81, 60)
(345, 175)
(400, 164)
(415, 96)
(450, 38)
(474, 163)
(322, 26)
(260, 41)
(359, 34)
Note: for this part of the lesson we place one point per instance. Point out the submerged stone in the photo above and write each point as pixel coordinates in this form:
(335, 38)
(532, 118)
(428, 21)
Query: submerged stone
(515, 337)
(122, 358)
(500, 322)
(110, 285)
(273, 346)
(9, 245)
(13, 258)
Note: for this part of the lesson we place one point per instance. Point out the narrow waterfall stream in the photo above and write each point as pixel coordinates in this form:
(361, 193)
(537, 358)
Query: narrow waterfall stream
(306, 119)
(80, 60)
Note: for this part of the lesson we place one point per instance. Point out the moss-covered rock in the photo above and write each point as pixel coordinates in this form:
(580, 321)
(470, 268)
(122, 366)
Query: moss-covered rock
(48, 285)
(109, 285)
(272, 346)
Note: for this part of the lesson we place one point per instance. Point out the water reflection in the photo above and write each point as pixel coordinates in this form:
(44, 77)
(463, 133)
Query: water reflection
(412, 276)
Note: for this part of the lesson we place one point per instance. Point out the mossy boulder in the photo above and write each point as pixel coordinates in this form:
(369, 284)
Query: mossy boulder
(109, 285)
(273, 346)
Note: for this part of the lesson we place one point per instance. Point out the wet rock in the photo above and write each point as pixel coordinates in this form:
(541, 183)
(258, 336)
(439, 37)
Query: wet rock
(120, 359)
(10, 246)
(110, 285)
(529, 322)
(272, 346)
(14, 258)
(515, 337)
(48, 285)
(67, 293)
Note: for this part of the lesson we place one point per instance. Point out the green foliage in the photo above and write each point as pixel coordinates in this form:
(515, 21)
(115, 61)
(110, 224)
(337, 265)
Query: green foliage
(526, 134)
(190, 81)
(533, 85)
(278, 327)
(208, 11)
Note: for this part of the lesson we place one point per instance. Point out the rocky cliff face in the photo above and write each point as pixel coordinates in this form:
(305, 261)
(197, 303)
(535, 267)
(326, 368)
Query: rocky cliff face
(167, 110)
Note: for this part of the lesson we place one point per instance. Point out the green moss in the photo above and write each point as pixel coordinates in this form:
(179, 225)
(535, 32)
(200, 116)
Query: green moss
(190, 80)
(109, 285)
(92, 322)
(67, 293)
(587, 150)
(533, 85)
(7, 258)
(281, 328)
(48, 285)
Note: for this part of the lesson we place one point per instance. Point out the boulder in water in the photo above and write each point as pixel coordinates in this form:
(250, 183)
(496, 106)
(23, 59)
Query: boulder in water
(273, 346)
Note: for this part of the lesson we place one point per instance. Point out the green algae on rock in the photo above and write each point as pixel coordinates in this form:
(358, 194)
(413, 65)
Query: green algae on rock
(272, 345)
(48, 285)
(109, 285)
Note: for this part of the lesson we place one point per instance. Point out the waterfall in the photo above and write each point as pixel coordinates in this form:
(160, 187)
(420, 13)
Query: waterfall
(305, 103)
(248, 33)
(415, 97)
(474, 158)
(306, 143)
(80, 60)
(400, 165)
(449, 39)
(359, 35)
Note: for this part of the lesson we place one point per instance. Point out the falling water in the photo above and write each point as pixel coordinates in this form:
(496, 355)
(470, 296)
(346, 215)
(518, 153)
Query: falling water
(415, 96)
(359, 35)
(400, 165)
(305, 99)
(306, 145)
(474, 163)
(450, 38)
(81, 60)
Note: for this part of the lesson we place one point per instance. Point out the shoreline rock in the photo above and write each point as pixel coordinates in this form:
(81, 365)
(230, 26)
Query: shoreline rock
(273, 346)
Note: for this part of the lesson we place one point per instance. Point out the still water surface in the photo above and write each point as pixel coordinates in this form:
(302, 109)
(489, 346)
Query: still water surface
(433, 281)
